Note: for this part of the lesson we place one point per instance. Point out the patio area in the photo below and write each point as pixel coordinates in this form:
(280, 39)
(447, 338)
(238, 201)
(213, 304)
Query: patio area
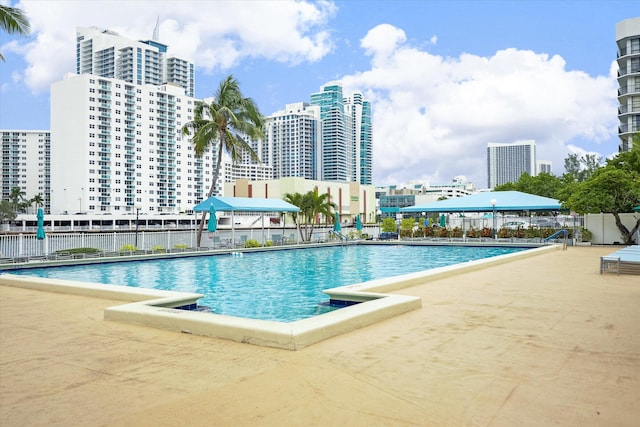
(544, 340)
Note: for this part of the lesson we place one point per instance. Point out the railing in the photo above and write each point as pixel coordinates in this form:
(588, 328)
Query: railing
(557, 234)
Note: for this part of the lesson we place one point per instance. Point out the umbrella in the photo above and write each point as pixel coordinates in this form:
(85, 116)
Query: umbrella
(40, 232)
(336, 223)
(443, 221)
(213, 221)
(358, 223)
(636, 209)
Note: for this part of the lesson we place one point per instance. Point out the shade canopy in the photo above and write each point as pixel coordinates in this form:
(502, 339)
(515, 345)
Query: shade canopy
(482, 202)
(40, 235)
(245, 204)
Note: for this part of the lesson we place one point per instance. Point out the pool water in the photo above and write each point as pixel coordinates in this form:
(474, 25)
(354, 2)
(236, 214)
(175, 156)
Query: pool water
(282, 285)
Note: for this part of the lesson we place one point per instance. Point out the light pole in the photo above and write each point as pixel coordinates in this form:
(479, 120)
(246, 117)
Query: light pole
(495, 231)
(137, 217)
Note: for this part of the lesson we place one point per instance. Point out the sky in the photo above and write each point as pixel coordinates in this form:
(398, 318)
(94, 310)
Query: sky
(444, 77)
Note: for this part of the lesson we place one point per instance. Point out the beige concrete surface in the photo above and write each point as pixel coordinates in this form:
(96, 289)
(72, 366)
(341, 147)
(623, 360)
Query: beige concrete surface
(540, 341)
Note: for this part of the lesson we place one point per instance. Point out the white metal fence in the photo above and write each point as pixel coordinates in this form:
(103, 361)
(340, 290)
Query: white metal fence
(26, 244)
(21, 245)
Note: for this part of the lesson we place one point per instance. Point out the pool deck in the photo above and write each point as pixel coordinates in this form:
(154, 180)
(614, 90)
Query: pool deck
(544, 340)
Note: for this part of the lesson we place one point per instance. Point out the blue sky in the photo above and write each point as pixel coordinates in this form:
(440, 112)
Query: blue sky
(444, 77)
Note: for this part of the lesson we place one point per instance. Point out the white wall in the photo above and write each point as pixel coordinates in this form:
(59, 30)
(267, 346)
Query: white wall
(604, 229)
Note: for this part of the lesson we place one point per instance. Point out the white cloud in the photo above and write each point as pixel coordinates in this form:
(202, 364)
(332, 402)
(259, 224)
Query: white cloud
(433, 116)
(216, 35)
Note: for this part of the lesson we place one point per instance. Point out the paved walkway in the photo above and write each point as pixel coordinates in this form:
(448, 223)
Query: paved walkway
(541, 341)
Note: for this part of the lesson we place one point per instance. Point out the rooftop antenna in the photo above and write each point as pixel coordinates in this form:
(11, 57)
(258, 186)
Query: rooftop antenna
(156, 30)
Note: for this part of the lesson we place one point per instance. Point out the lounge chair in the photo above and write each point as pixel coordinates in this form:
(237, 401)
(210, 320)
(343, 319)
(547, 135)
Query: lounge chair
(623, 261)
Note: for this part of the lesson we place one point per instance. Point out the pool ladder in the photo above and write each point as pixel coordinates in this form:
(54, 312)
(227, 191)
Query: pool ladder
(557, 234)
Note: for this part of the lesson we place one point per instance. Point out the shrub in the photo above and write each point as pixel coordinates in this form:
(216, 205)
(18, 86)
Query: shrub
(505, 233)
(456, 232)
(388, 224)
(472, 232)
(128, 248)
(80, 251)
(180, 246)
(586, 235)
(442, 232)
(252, 243)
(157, 248)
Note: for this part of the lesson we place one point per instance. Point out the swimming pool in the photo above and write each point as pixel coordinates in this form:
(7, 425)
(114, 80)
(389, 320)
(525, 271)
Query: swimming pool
(283, 286)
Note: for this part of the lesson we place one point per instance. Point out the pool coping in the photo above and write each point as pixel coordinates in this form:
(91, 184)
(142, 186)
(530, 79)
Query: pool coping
(156, 308)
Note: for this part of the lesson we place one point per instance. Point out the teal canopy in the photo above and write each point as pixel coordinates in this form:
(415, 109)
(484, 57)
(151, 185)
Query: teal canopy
(213, 221)
(505, 201)
(245, 204)
(40, 231)
(358, 223)
(336, 223)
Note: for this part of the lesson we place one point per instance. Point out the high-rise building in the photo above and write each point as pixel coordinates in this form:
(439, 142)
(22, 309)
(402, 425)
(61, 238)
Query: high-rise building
(336, 151)
(544, 166)
(120, 146)
(346, 135)
(292, 145)
(628, 41)
(359, 111)
(507, 162)
(105, 53)
(26, 163)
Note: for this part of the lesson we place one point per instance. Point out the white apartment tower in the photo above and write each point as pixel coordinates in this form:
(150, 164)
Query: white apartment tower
(292, 144)
(117, 146)
(507, 162)
(26, 163)
(544, 166)
(105, 53)
(359, 112)
(628, 42)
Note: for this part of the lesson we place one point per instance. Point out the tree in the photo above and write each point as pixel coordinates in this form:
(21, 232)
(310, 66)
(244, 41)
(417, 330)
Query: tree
(313, 205)
(296, 200)
(7, 213)
(581, 168)
(37, 200)
(543, 184)
(612, 190)
(224, 124)
(16, 197)
(13, 21)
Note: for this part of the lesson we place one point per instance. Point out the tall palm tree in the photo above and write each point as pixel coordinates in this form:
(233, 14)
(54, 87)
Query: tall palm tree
(296, 200)
(37, 200)
(16, 197)
(224, 123)
(314, 204)
(13, 21)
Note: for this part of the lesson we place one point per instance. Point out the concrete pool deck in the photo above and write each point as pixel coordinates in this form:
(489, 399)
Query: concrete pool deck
(544, 340)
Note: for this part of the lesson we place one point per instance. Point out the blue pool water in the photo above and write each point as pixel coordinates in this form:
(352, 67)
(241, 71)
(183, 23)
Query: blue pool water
(277, 285)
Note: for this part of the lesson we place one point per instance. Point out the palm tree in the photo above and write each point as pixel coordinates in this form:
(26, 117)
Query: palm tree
(13, 20)
(296, 200)
(225, 123)
(313, 205)
(37, 200)
(16, 197)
